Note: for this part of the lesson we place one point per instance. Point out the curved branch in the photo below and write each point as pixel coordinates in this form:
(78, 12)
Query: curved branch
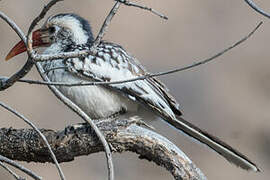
(19, 167)
(78, 140)
(104, 27)
(11, 172)
(6, 83)
(42, 14)
(257, 8)
(39, 133)
(128, 3)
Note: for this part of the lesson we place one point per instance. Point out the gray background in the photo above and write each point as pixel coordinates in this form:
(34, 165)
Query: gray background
(229, 97)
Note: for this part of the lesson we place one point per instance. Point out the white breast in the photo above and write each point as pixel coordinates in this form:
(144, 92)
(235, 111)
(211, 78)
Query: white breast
(96, 101)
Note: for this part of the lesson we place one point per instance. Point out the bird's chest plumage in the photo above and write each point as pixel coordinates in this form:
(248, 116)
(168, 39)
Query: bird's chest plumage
(96, 101)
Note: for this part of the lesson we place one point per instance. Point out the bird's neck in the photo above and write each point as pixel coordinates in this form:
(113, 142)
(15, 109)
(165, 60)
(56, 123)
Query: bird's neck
(54, 49)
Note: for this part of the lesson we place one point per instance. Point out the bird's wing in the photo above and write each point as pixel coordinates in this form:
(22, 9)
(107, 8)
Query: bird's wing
(112, 63)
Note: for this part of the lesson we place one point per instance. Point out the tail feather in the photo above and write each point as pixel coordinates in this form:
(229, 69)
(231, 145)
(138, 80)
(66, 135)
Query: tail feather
(225, 150)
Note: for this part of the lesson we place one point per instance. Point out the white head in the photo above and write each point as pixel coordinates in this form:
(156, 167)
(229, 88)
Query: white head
(67, 29)
(61, 30)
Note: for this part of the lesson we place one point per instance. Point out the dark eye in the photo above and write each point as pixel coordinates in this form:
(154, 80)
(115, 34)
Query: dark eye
(51, 30)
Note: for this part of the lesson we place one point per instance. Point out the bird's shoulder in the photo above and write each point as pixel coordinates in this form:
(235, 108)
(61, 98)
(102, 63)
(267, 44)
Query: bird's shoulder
(120, 58)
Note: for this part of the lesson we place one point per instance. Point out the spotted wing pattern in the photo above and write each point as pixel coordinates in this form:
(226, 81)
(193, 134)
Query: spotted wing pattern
(113, 63)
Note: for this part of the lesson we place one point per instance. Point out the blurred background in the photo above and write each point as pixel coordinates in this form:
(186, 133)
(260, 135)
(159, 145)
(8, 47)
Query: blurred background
(229, 97)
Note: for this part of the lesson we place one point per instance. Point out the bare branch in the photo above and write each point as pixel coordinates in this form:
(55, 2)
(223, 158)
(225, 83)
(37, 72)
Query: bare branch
(35, 22)
(77, 140)
(84, 116)
(28, 65)
(257, 8)
(104, 27)
(148, 75)
(42, 14)
(39, 133)
(13, 25)
(213, 57)
(11, 172)
(20, 167)
(128, 3)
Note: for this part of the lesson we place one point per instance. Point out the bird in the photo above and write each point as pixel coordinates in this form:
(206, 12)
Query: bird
(68, 32)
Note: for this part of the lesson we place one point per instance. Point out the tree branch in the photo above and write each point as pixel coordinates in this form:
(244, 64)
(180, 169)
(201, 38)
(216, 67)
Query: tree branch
(257, 8)
(104, 27)
(41, 15)
(39, 133)
(11, 172)
(19, 167)
(128, 3)
(6, 83)
(78, 140)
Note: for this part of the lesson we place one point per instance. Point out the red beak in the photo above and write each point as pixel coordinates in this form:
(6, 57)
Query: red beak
(20, 47)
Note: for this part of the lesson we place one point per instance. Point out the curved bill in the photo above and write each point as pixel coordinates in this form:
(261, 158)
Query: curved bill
(20, 46)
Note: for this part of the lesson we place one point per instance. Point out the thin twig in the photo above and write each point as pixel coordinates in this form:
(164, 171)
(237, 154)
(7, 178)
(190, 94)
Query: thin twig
(39, 133)
(105, 26)
(20, 167)
(28, 65)
(64, 55)
(13, 25)
(55, 68)
(11, 172)
(213, 57)
(35, 22)
(128, 3)
(148, 75)
(85, 117)
(257, 8)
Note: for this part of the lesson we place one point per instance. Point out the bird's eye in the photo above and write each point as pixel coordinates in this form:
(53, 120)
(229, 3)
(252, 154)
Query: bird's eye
(51, 29)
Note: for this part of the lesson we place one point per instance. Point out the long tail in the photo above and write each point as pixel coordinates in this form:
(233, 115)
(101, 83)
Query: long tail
(214, 143)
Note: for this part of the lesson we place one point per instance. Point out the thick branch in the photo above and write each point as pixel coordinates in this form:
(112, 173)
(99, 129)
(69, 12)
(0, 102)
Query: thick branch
(78, 140)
